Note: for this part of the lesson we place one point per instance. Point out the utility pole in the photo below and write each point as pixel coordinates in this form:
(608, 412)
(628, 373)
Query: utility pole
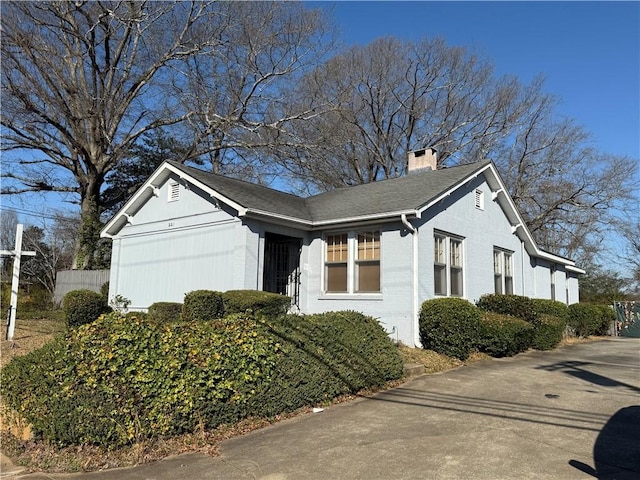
(17, 254)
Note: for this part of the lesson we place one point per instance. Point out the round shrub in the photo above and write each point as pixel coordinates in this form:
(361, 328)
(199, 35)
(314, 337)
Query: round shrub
(555, 308)
(514, 305)
(607, 317)
(202, 305)
(503, 335)
(548, 332)
(83, 306)
(165, 311)
(585, 319)
(260, 303)
(449, 326)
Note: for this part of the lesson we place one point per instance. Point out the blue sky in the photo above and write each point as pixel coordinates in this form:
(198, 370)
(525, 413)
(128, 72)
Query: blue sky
(588, 51)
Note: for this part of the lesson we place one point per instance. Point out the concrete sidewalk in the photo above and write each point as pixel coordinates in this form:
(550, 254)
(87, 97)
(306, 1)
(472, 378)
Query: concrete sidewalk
(573, 413)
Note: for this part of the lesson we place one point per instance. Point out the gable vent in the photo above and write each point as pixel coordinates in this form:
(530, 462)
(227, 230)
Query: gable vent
(479, 198)
(174, 192)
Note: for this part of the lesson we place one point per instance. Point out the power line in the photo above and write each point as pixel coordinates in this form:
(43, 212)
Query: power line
(31, 213)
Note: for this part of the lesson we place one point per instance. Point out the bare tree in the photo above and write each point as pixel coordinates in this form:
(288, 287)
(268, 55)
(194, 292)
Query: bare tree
(8, 224)
(78, 90)
(240, 90)
(54, 246)
(565, 188)
(392, 96)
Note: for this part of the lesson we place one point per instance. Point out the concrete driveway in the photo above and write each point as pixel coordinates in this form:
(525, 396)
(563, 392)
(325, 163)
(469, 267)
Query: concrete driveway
(573, 413)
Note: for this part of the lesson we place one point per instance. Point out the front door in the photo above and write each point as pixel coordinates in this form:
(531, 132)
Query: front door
(282, 265)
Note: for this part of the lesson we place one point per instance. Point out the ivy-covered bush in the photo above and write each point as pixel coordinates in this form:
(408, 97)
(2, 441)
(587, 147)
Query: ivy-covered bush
(503, 335)
(123, 379)
(548, 332)
(514, 305)
(202, 305)
(260, 303)
(165, 311)
(588, 319)
(555, 308)
(120, 380)
(324, 356)
(83, 306)
(449, 326)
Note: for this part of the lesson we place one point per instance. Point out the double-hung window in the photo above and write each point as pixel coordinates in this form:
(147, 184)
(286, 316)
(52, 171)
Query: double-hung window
(502, 271)
(352, 262)
(336, 263)
(368, 262)
(447, 265)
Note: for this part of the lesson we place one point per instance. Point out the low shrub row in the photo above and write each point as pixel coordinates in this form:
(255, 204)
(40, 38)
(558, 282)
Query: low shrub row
(84, 306)
(503, 325)
(124, 379)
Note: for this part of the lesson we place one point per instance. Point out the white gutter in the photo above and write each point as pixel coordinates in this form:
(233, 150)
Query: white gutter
(415, 279)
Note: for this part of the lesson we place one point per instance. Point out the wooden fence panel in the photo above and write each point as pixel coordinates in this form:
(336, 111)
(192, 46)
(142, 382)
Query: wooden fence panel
(68, 280)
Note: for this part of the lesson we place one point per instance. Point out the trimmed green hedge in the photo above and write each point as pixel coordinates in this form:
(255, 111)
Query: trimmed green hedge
(555, 308)
(83, 306)
(123, 379)
(165, 311)
(514, 305)
(324, 356)
(202, 305)
(548, 332)
(260, 303)
(449, 326)
(503, 335)
(588, 319)
(120, 380)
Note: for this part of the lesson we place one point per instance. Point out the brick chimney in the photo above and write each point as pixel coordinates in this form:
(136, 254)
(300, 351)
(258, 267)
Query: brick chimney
(422, 159)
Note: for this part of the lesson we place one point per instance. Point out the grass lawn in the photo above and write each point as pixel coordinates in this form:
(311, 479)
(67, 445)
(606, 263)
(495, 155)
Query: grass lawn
(28, 335)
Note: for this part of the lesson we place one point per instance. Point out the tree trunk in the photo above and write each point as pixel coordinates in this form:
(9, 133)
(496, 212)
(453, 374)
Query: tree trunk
(89, 233)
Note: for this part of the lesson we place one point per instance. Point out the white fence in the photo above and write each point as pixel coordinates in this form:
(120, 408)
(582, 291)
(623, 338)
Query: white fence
(67, 280)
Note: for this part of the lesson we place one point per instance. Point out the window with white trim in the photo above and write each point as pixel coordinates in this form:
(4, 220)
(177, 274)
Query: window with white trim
(502, 271)
(336, 263)
(448, 264)
(174, 192)
(352, 262)
(552, 272)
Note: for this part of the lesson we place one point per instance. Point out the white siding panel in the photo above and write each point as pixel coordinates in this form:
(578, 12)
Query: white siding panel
(164, 266)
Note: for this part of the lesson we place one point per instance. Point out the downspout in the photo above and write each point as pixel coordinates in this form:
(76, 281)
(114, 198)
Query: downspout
(524, 294)
(415, 278)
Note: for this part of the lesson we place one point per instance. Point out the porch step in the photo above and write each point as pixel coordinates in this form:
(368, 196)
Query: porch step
(413, 369)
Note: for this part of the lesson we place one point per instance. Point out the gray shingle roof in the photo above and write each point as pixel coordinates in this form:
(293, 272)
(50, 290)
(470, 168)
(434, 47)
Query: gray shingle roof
(250, 195)
(377, 198)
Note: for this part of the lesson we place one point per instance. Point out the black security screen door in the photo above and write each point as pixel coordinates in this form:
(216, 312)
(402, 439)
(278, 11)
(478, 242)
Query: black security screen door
(282, 265)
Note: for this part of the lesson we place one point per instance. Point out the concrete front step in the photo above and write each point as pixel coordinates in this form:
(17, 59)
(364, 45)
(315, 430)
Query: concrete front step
(413, 369)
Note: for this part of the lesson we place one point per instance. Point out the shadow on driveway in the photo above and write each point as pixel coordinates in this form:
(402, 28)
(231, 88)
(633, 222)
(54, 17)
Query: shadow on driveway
(577, 370)
(616, 453)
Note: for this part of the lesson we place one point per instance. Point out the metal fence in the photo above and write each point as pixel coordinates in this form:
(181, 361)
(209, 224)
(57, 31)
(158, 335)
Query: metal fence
(628, 319)
(68, 280)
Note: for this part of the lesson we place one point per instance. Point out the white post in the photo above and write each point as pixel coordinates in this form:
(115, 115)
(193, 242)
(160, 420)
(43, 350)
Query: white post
(15, 281)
